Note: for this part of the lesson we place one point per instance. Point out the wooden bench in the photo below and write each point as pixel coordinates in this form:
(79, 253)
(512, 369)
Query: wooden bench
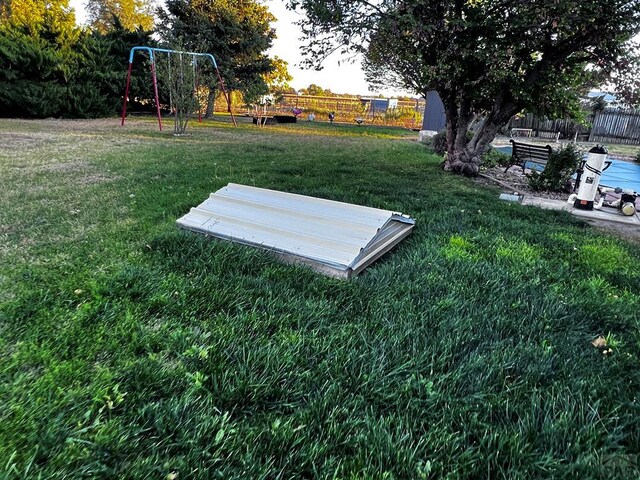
(525, 152)
(524, 131)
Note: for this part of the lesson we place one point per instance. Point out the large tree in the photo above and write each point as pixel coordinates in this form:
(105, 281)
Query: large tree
(105, 15)
(51, 20)
(37, 56)
(278, 79)
(237, 32)
(625, 83)
(487, 59)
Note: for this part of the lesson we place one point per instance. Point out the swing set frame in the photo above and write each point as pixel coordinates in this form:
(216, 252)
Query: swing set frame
(152, 57)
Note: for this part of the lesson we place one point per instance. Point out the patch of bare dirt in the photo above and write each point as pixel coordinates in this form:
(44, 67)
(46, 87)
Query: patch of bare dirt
(83, 173)
(75, 166)
(517, 181)
(22, 141)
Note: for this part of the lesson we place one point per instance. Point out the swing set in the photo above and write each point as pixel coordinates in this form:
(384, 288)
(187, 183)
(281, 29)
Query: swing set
(153, 54)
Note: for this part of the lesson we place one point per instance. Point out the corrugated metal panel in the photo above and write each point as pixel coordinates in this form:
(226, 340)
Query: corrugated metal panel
(334, 237)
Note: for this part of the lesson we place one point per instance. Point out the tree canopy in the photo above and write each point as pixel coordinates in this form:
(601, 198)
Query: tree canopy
(237, 32)
(130, 14)
(53, 19)
(487, 59)
(625, 82)
(316, 90)
(278, 78)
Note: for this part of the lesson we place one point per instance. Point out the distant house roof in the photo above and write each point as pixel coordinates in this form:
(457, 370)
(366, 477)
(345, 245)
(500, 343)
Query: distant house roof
(607, 96)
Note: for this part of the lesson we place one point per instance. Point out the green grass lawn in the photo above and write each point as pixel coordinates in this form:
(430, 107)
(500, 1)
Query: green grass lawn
(132, 349)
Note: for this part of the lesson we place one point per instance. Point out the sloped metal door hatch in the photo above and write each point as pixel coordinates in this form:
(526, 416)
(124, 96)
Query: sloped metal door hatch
(334, 238)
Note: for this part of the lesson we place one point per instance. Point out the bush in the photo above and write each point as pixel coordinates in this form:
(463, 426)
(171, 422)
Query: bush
(637, 159)
(439, 142)
(401, 114)
(82, 79)
(556, 176)
(493, 157)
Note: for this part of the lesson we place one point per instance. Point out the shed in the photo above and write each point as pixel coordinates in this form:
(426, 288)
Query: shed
(434, 117)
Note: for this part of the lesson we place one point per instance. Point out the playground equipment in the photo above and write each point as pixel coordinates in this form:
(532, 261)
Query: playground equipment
(260, 116)
(153, 54)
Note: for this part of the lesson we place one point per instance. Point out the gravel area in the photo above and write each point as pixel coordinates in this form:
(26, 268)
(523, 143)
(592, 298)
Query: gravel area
(517, 180)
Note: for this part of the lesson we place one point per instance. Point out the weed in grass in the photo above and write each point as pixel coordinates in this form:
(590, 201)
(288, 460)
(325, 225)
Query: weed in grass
(459, 247)
(612, 341)
(518, 252)
(606, 257)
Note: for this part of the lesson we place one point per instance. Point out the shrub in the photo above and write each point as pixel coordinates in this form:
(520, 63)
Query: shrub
(556, 176)
(637, 159)
(439, 142)
(83, 78)
(493, 157)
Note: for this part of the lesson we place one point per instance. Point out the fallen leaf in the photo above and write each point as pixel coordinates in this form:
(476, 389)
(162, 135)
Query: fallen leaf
(599, 342)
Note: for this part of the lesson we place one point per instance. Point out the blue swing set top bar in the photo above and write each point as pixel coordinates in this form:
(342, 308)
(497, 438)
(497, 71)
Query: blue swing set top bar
(150, 51)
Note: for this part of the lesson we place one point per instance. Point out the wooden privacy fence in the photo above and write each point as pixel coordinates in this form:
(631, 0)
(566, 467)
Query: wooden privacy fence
(616, 126)
(546, 128)
(613, 125)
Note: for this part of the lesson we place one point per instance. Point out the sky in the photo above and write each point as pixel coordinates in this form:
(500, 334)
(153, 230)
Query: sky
(339, 74)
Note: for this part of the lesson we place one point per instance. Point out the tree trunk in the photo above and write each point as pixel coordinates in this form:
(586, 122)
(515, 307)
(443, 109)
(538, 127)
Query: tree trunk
(211, 99)
(465, 156)
(464, 162)
(460, 159)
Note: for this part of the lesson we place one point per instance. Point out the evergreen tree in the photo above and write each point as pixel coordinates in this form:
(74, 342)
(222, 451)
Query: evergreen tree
(31, 82)
(99, 85)
(236, 32)
(37, 56)
(51, 67)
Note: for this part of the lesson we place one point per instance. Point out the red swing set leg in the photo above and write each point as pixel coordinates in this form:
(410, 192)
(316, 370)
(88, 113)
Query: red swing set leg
(155, 91)
(126, 94)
